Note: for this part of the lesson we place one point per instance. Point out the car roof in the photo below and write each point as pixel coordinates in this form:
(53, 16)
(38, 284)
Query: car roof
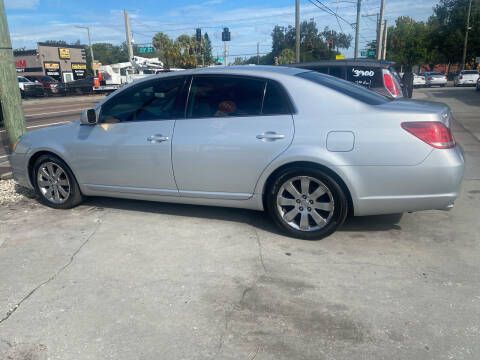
(345, 62)
(242, 69)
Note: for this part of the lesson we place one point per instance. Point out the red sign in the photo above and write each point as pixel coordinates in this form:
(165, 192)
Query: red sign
(21, 64)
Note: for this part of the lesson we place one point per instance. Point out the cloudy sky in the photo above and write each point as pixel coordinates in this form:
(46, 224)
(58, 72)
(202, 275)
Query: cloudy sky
(250, 21)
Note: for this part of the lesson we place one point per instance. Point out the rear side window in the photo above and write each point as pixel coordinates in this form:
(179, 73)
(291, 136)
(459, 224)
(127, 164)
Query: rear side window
(220, 96)
(153, 100)
(338, 72)
(346, 88)
(275, 101)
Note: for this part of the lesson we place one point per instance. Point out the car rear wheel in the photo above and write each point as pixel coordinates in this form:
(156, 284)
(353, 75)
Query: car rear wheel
(55, 184)
(306, 203)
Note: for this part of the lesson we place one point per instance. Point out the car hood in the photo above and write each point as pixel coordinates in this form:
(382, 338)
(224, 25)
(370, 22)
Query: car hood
(50, 132)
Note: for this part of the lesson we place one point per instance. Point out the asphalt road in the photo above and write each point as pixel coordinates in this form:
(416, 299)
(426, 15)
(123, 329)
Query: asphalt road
(121, 279)
(45, 112)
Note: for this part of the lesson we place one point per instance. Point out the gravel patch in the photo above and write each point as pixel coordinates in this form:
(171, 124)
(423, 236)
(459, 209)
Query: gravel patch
(11, 192)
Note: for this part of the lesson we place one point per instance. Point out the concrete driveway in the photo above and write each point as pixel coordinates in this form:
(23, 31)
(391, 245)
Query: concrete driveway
(120, 279)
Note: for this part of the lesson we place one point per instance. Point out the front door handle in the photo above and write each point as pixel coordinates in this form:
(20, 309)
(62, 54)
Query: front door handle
(270, 136)
(157, 138)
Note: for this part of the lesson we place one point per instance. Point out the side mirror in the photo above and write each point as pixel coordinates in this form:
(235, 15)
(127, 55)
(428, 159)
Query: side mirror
(89, 117)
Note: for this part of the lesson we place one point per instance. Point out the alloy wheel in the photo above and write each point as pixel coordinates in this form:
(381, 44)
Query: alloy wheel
(305, 203)
(53, 183)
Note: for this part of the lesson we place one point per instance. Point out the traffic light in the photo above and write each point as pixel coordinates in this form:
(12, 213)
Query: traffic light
(226, 34)
(199, 34)
(309, 46)
(330, 45)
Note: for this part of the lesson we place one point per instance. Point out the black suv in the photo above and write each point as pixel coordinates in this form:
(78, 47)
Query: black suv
(377, 75)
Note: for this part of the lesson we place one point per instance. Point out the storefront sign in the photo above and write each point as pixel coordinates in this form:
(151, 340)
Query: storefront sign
(64, 53)
(21, 64)
(79, 70)
(53, 69)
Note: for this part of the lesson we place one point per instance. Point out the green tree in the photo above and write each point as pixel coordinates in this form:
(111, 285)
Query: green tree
(168, 52)
(447, 31)
(407, 42)
(287, 56)
(208, 50)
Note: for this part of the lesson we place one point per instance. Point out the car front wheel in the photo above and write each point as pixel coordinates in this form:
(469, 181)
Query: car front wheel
(307, 203)
(55, 184)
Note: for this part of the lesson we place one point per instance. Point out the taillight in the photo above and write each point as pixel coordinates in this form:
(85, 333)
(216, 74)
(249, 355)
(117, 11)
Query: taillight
(391, 84)
(460, 77)
(434, 133)
(430, 78)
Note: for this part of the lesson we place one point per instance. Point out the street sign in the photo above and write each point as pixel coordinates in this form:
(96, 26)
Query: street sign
(339, 57)
(220, 59)
(367, 53)
(145, 49)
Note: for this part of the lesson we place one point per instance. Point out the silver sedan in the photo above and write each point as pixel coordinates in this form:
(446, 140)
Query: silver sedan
(306, 147)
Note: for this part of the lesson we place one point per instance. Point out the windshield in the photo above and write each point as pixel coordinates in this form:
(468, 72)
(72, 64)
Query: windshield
(472, 72)
(47, 79)
(435, 73)
(347, 88)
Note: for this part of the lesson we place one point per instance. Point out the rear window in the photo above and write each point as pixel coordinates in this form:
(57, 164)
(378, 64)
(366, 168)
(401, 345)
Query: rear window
(435, 73)
(365, 76)
(470, 72)
(351, 90)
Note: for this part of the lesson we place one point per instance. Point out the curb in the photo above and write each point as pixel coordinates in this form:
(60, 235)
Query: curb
(6, 176)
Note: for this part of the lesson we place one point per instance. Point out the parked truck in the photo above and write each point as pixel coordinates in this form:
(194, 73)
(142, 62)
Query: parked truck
(113, 76)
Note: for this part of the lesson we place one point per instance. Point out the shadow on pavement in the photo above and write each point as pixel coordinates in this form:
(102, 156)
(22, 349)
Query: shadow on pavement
(258, 219)
(459, 94)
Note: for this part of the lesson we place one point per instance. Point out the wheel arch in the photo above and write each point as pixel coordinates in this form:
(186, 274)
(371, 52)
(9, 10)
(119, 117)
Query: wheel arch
(33, 158)
(308, 164)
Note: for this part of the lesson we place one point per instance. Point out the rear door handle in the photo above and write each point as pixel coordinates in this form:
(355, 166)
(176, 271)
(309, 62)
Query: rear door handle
(157, 138)
(270, 136)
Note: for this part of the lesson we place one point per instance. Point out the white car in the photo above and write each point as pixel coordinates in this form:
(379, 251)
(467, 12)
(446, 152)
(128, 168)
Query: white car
(29, 88)
(466, 78)
(418, 80)
(435, 79)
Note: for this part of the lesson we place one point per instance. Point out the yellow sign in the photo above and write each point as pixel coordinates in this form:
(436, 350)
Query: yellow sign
(52, 65)
(64, 53)
(96, 65)
(79, 66)
(340, 57)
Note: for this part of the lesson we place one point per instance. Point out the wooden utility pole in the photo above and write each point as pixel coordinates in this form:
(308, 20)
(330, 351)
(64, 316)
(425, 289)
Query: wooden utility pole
(128, 35)
(10, 99)
(297, 31)
(464, 57)
(380, 31)
(357, 28)
(385, 34)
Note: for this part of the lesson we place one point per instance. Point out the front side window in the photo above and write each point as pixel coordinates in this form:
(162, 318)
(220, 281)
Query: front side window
(220, 96)
(153, 100)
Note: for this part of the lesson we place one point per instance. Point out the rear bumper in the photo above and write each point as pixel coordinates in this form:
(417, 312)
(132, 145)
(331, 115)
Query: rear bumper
(432, 185)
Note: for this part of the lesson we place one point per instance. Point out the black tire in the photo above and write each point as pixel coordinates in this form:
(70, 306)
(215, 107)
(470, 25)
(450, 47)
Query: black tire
(337, 217)
(75, 196)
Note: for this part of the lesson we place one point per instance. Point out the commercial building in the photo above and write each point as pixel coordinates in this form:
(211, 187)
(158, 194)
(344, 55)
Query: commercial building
(63, 63)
